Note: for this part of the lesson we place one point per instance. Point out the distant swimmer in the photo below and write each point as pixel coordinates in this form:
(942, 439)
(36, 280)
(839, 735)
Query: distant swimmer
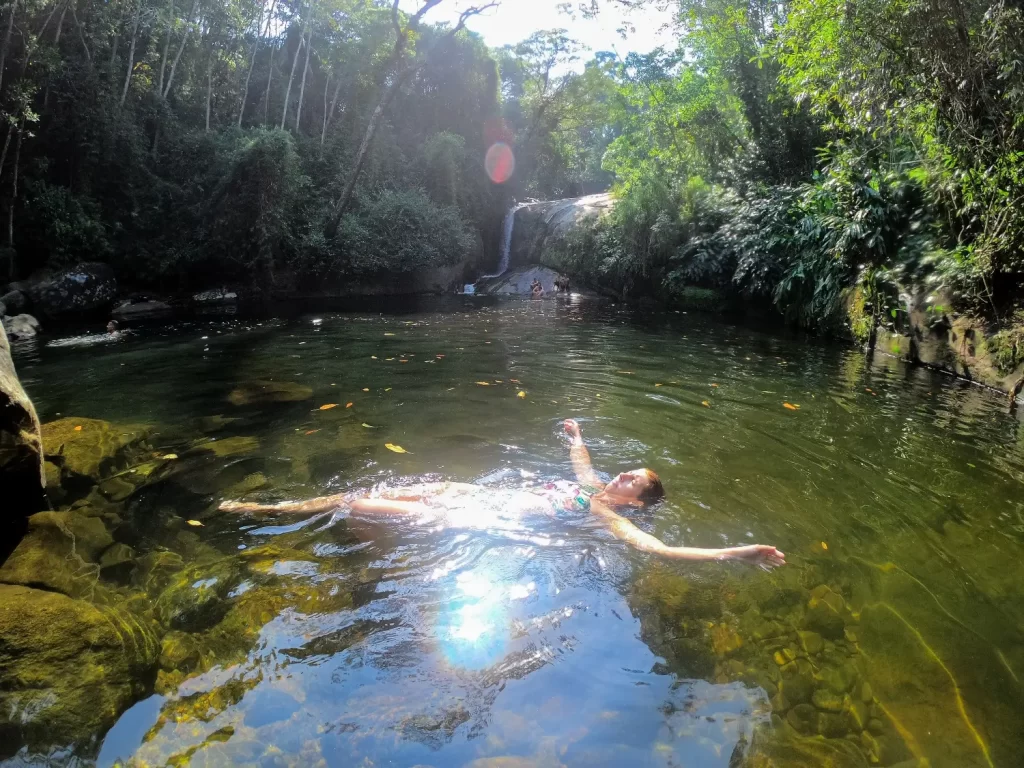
(467, 505)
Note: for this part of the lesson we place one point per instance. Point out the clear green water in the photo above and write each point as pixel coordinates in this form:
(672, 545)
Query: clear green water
(895, 492)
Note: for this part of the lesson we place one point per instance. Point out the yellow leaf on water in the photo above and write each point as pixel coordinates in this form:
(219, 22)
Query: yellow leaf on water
(791, 407)
(388, 359)
(195, 523)
(328, 406)
(368, 426)
(348, 405)
(484, 383)
(657, 385)
(373, 357)
(395, 448)
(387, 389)
(705, 403)
(170, 457)
(521, 395)
(514, 381)
(389, 334)
(78, 428)
(824, 546)
(714, 385)
(596, 395)
(366, 389)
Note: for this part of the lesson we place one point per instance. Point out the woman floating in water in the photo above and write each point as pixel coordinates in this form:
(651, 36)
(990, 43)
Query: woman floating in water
(456, 504)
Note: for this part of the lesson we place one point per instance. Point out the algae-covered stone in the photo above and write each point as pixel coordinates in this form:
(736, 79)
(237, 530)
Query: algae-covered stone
(155, 571)
(827, 613)
(828, 701)
(265, 392)
(803, 718)
(117, 562)
(89, 448)
(21, 454)
(67, 668)
(783, 748)
(58, 553)
(225, 448)
(811, 642)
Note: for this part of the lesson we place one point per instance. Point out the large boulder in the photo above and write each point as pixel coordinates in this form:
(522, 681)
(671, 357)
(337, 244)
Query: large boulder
(145, 309)
(21, 327)
(21, 451)
(68, 668)
(539, 227)
(82, 288)
(14, 301)
(517, 282)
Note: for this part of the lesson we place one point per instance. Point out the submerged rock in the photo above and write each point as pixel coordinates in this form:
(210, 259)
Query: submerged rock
(141, 310)
(225, 448)
(58, 553)
(68, 668)
(264, 392)
(89, 448)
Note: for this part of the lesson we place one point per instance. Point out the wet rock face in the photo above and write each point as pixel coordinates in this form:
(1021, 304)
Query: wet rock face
(89, 448)
(67, 667)
(21, 455)
(80, 289)
(539, 227)
(22, 327)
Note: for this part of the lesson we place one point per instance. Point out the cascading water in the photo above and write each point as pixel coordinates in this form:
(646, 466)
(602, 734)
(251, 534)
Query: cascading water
(506, 241)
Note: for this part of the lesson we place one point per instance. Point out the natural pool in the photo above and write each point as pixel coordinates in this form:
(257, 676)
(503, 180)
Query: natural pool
(893, 636)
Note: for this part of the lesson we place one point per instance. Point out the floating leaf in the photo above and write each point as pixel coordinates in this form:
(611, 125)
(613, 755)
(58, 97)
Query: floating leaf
(366, 389)
(791, 407)
(403, 361)
(78, 428)
(389, 334)
(368, 426)
(498, 381)
(387, 389)
(628, 373)
(596, 395)
(328, 406)
(514, 381)
(824, 546)
(170, 457)
(521, 395)
(312, 432)
(657, 385)
(388, 359)
(395, 448)
(705, 403)
(484, 383)
(714, 385)
(348, 405)
(195, 523)
(373, 357)
(439, 357)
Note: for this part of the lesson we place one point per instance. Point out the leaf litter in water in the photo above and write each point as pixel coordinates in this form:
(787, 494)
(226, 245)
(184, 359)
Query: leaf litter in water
(791, 407)
(195, 523)
(521, 395)
(395, 448)
(328, 406)
(368, 426)
(705, 403)
(348, 405)
(484, 383)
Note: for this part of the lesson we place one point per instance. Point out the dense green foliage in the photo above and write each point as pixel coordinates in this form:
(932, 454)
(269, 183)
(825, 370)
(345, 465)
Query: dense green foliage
(791, 153)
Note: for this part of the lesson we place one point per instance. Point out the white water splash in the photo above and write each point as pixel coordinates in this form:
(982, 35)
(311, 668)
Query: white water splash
(506, 241)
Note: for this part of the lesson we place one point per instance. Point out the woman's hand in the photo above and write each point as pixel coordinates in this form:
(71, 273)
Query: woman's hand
(761, 555)
(573, 429)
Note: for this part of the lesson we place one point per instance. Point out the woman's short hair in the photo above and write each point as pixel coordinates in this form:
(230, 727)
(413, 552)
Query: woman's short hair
(655, 491)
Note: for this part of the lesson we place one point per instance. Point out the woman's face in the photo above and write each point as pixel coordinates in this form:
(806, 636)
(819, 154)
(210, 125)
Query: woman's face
(629, 485)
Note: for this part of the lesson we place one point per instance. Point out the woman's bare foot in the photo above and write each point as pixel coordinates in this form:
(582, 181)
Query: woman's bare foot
(762, 555)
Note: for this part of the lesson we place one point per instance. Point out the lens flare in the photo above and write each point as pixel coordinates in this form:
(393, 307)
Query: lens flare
(500, 162)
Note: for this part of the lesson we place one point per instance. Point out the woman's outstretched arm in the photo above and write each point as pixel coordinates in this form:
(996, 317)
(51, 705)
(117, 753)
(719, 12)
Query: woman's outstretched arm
(757, 554)
(321, 504)
(580, 457)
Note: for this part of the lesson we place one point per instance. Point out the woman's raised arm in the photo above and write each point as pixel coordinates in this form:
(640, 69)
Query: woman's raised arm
(580, 457)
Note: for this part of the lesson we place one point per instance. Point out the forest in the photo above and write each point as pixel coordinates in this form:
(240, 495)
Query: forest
(791, 154)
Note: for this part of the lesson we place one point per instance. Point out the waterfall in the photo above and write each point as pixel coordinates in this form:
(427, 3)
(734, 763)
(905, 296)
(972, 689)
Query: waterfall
(506, 241)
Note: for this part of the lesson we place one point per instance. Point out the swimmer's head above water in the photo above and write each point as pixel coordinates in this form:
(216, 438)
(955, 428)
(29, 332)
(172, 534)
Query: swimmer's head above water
(640, 485)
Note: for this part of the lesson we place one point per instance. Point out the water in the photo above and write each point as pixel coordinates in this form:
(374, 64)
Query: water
(507, 225)
(896, 630)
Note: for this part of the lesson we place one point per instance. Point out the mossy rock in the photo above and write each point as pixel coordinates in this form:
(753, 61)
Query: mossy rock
(268, 392)
(68, 668)
(58, 553)
(225, 448)
(827, 613)
(784, 748)
(89, 448)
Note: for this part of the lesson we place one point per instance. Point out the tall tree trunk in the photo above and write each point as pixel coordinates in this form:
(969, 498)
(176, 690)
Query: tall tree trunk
(167, 45)
(81, 36)
(305, 72)
(252, 59)
(14, 198)
(291, 77)
(209, 90)
(334, 100)
(181, 48)
(56, 46)
(131, 52)
(7, 41)
(364, 148)
(266, 94)
(323, 131)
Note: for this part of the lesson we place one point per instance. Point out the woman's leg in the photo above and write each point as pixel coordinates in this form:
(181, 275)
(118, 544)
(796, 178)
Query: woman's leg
(322, 504)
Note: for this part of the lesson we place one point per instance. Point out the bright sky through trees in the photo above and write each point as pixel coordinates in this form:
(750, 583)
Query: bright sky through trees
(516, 20)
